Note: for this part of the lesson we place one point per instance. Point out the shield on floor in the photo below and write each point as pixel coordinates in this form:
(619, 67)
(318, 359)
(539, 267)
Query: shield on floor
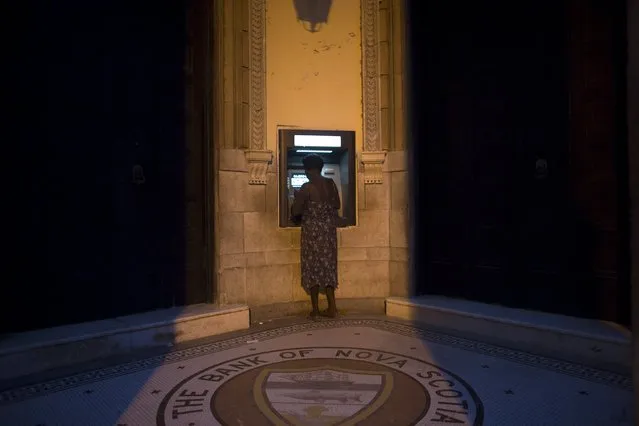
(320, 396)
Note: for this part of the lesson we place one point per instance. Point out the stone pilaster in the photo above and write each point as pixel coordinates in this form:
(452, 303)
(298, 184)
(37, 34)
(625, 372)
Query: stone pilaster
(257, 76)
(397, 169)
(391, 74)
(370, 75)
(231, 53)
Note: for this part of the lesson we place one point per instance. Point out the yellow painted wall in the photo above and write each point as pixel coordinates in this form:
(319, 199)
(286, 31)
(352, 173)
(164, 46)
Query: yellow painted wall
(313, 80)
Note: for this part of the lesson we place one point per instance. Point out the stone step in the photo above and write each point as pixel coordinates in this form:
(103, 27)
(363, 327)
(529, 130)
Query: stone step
(598, 344)
(37, 351)
(346, 307)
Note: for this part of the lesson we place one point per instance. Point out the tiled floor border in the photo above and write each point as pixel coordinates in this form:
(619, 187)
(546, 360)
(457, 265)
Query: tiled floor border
(558, 366)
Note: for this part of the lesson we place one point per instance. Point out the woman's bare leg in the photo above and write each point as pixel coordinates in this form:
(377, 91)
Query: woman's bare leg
(315, 301)
(332, 307)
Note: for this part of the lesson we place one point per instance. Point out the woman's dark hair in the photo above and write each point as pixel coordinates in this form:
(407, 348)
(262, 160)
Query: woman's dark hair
(313, 162)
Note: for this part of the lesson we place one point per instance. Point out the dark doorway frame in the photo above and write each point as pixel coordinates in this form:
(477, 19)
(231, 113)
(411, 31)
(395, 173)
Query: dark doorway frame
(624, 297)
(416, 136)
(209, 152)
(201, 58)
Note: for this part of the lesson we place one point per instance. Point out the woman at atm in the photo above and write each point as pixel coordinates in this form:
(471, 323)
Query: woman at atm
(316, 205)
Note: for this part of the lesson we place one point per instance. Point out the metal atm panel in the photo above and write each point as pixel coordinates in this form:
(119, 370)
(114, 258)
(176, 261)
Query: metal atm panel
(337, 149)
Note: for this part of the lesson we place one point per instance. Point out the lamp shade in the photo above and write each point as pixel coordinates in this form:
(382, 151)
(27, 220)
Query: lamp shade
(312, 13)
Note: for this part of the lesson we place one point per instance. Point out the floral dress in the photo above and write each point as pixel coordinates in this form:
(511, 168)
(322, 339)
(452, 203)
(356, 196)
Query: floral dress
(319, 245)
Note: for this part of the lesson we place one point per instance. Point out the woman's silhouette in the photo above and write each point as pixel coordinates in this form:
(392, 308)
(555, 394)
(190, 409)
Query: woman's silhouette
(316, 205)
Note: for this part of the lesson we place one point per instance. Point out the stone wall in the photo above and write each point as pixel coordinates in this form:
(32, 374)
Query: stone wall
(259, 262)
(273, 74)
(373, 255)
(397, 167)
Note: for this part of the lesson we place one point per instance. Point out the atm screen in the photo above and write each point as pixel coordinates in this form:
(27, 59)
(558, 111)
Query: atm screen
(337, 150)
(298, 179)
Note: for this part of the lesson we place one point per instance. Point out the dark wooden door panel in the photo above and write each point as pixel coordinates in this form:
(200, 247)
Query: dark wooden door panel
(441, 277)
(490, 245)
(595, 68)
(112, 98)
(516, 122)
(197, 78)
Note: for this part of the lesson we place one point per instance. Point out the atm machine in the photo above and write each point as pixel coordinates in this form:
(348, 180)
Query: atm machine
(337, 149)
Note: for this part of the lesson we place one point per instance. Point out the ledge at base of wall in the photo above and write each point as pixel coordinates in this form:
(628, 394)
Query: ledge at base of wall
(361, 306)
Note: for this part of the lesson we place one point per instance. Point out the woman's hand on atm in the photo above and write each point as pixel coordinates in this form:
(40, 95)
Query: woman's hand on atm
(297, 209)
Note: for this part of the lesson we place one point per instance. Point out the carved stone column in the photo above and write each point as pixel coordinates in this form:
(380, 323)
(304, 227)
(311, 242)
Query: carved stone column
(257, 68)
(373, 156)
(257, 157)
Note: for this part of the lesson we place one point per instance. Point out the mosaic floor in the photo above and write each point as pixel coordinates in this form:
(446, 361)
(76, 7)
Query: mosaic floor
(341, 372)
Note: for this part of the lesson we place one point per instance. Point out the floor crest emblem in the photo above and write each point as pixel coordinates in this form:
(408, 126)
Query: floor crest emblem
(327, 396)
